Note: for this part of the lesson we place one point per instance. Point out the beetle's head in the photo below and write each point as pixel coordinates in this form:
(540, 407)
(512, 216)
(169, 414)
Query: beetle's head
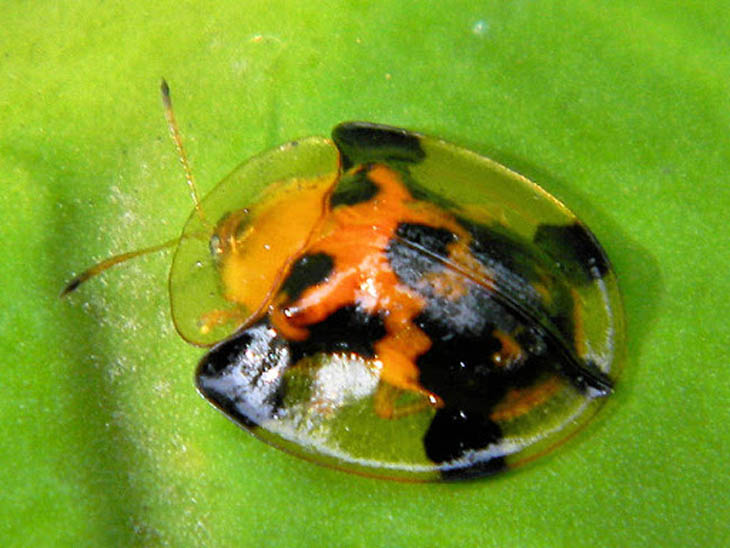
(230, 235)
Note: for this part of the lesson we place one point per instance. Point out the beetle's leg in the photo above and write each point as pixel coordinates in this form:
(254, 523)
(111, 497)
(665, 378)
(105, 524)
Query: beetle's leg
(218, 317)
(510, 353)
(519, 401)
(386, 402)
(395, 357)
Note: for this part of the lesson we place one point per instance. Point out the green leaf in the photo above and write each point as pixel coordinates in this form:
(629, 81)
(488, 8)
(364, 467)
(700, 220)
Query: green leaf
(618, 108)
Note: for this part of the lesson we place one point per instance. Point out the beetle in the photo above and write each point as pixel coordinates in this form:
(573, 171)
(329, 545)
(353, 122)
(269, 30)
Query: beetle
(393, 305)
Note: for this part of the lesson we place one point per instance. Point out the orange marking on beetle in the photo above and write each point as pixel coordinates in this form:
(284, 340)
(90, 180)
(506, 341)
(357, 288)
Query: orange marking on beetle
(217, 317)
(386, 403)
(520, 401)
(357, 238)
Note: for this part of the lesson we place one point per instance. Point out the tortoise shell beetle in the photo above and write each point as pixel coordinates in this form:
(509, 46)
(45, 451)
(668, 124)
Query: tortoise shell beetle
(396, 306)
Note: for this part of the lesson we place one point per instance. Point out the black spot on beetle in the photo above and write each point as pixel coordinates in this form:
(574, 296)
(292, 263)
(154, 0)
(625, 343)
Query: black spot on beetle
(306, 272)
(349, 329)
(224, 354)
(354, 188)
(364, 142)
(459, 367)
(232, 374)
(456, 434)
(417, 249)
(501, 252)
(427, 194)
(576, 250)
(482, 467)
(426, 237)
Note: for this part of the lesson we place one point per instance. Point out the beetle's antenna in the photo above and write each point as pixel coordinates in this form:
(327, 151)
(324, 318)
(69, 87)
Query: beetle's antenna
(175, 134)
(123, 257)
(110, 262)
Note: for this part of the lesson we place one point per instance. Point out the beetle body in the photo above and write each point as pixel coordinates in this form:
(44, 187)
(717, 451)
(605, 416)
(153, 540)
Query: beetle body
(395, 306)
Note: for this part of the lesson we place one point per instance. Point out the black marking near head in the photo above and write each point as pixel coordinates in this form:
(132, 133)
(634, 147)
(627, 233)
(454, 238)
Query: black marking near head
(308, 271)
(572, 245)
(349, 329)
(364, 142)
(232, 374)
(354, 188)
